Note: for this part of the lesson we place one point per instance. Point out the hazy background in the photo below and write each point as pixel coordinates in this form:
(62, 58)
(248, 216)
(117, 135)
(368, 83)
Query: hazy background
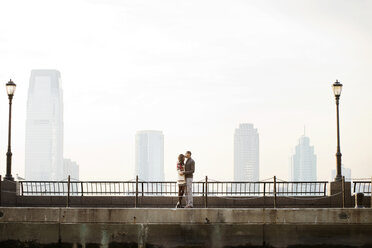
(195, 70)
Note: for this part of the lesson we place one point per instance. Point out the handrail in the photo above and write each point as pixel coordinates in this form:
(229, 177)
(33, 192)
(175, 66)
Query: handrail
(362, 186)
(169, 188)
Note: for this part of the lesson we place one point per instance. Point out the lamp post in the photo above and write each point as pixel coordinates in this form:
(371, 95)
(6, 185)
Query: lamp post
(10, 88)
(337, 88)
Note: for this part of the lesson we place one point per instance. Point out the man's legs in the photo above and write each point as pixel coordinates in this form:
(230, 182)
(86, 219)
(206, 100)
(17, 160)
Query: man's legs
(189, 200)
(186, 193)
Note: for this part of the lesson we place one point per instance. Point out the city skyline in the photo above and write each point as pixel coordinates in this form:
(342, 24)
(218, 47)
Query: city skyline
(70, 168)
(195, 74)
(149, 155)
(246, 153)
(44, 127)
(303, 162)
(346, 172)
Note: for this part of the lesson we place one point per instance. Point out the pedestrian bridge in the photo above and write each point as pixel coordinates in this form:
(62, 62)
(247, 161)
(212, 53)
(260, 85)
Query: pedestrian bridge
(198, 227)
(226, 214)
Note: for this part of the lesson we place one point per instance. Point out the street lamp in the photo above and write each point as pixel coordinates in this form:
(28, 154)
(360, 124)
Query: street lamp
(10, 88)
(337, 88)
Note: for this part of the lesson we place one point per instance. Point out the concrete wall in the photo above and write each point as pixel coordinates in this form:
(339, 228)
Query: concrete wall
(100, 227)
(169, 202)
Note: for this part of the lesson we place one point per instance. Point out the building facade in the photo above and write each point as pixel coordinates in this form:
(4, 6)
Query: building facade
(246, 153)
(149, 157)
(303, 162)
(44, 127)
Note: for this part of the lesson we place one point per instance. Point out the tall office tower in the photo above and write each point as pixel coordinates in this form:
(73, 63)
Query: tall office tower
(44, 127)
(246, 153)
(70, 168)
(346, 172)
(303, 163)
(150, 155)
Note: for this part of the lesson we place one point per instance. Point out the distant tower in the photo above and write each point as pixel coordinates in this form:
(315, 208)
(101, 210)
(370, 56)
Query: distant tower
(246, 153)
(346, 172)
(70, 168)
(303, 163)
(149, 157)
(44, 127)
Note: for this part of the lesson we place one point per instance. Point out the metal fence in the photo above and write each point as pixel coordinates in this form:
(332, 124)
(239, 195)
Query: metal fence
(170, 188)
(362, 187)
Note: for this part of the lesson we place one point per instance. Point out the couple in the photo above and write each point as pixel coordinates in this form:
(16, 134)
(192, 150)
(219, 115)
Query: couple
(185, 175)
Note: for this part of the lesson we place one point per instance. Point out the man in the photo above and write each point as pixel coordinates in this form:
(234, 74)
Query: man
(189, 171)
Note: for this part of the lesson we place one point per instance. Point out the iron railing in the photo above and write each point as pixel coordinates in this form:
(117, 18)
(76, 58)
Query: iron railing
(170, 188)
(311, 188)
(362, 187)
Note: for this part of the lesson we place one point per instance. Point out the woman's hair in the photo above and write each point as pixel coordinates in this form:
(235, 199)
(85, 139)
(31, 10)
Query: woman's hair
(181, 158)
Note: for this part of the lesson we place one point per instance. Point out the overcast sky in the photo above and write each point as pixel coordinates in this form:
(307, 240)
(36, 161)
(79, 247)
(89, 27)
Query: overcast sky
(195, 70)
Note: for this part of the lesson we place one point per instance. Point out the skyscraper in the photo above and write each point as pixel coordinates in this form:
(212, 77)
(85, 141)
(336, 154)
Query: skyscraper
(303, 163)
(44, 127)
(149, 157)
(346, 172)
(246, 153)
(70, 168)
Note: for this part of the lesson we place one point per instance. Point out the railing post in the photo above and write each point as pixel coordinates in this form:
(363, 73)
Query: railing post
(264, 194)
(343, 191)
(136, 197)
(142, 190)
(21, 187)
(274, 191)
(68, 191)
(203, 189)
(1, 192)
(206, 192)
(82, 190)
(371, 192)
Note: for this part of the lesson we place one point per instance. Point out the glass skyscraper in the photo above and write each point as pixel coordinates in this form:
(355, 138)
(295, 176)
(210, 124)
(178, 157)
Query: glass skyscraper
(44, 127)
(149, 156)
(303, 163)
(246, 153)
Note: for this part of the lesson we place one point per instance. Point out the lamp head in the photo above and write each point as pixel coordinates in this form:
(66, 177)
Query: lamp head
(337, 88)
(10, 88)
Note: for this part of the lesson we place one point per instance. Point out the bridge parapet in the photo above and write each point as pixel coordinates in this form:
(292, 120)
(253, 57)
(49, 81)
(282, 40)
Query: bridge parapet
(102, 227)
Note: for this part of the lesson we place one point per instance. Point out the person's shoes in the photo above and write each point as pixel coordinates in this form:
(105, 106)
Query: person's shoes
(189, 207)
(178, 205)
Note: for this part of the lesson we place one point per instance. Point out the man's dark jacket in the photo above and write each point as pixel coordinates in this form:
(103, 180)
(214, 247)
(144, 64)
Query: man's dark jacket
(189, 168)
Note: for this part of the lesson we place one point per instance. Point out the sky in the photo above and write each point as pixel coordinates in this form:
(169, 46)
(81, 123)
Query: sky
(195, 70)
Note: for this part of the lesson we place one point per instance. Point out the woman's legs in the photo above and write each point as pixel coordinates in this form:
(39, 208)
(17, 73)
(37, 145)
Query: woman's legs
(181, 192)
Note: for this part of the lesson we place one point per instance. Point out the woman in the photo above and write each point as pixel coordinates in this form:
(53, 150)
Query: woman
(181, 181)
